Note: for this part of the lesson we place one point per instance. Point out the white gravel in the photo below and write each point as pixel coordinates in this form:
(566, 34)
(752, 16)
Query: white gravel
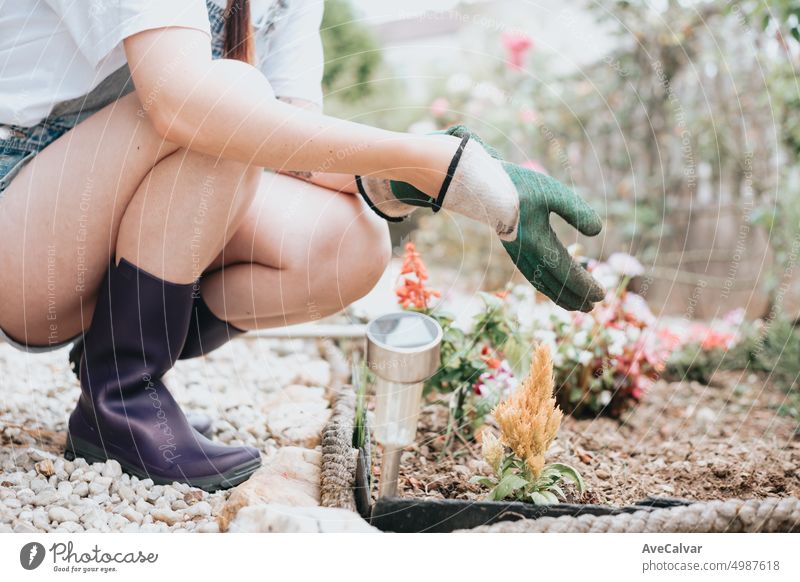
(41, 491)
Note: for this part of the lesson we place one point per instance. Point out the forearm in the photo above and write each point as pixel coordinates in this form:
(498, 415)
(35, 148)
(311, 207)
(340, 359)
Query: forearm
(233, 114)
(336, 182)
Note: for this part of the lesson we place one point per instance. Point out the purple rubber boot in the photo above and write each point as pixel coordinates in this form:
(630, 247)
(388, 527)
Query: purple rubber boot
(207, 332)
(125, 412)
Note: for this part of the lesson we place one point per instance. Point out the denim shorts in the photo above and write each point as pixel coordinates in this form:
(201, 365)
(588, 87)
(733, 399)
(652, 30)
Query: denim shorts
(19, 145)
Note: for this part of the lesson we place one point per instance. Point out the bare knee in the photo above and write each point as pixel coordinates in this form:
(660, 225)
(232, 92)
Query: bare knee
(360, 255)
(236, 181)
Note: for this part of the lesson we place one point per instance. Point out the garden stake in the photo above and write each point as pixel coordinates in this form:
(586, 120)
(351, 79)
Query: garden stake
(402, 352)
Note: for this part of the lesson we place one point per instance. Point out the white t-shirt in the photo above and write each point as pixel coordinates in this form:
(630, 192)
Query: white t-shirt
(56, 50)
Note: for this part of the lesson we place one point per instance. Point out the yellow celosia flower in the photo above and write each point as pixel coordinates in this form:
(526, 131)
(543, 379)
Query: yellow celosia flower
(492, 450)
(529, 419)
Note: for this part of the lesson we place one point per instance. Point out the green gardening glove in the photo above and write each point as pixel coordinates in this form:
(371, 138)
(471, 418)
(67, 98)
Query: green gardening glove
(534, 247)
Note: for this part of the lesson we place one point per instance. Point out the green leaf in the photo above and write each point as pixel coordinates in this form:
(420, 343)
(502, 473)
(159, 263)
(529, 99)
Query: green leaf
(550, 473)
(551, 498)
(539, 499)
(558, 491)
(492, 301)
(570, 474)
(507, 485)
(482, 480)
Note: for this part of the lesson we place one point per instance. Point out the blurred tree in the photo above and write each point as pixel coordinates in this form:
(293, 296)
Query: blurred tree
(352, 56)
(782, 15)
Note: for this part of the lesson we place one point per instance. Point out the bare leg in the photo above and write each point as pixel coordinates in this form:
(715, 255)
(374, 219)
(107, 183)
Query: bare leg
(60, 218)
(301, 252)
(183, 213)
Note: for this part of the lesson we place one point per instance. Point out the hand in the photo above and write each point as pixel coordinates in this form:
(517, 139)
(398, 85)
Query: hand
(536, 250)
(538, 253)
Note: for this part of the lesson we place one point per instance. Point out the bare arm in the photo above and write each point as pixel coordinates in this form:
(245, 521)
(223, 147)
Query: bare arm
(226, 108)
(337, 182)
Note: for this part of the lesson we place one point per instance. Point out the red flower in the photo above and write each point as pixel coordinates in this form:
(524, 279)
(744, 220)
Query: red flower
(714, 339)
(413, 292)
(493, 363)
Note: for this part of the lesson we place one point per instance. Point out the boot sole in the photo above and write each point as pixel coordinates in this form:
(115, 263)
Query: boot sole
(77, 447)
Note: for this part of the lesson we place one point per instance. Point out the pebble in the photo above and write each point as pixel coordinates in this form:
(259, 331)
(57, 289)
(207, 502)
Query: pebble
(96, 487)
(26, 496)
(38, 485)
(132, 515)
(200, 509)
(60, 514)
(191, 497)
(65, 490)
(126, 493)
(45, 467)
(20, 526)
(46, 497)
(166, 515)
(68, 527)
(12, 502)
(112, 469)
(40, 519)
(40, 491)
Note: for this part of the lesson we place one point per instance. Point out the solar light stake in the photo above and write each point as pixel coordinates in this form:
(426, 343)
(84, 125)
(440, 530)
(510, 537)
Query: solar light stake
(402, 352)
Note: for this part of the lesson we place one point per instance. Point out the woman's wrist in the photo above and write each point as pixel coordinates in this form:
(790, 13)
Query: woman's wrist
(421, 161)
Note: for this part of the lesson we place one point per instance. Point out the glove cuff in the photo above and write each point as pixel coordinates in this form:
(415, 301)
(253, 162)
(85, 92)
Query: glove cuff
(378, 195)
(476, 186)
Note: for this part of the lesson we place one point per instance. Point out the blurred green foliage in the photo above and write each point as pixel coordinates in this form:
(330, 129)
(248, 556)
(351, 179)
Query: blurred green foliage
(352, 56)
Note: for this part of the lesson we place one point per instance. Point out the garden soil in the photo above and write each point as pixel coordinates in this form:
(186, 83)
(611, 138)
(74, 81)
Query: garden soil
(735, 438)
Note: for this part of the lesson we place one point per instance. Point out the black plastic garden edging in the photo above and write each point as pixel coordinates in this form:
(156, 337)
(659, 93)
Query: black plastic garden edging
(395, 514)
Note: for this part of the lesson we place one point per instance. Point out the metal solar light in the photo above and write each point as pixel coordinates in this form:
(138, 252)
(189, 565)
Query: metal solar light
(402, 352)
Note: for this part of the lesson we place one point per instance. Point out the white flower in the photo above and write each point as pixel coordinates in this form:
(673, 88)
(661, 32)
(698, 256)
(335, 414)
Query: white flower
(637, 306)
(617, 339)
(735, 318)
(486, 91)
(633, 333)
(545, 336)
(605, 275)
(580, 339)
(559, 315)
(604, 398)
(459, 83)
(625, 265)
(585, 357)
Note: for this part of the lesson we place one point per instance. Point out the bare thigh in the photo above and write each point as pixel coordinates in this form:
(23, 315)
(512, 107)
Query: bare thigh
(60, 218)
(301, 251)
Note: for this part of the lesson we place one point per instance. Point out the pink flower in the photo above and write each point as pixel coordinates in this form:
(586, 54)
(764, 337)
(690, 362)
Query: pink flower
(440, 107)
(625, 265)
(735, 317)
(534, 165)
(516, 45)
(527, 115)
